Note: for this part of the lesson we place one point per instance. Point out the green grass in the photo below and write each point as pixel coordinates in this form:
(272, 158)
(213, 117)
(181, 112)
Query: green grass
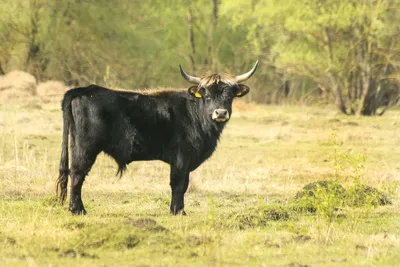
(241, 202)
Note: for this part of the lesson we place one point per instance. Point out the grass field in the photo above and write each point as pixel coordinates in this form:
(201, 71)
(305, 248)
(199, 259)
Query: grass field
(241, 203)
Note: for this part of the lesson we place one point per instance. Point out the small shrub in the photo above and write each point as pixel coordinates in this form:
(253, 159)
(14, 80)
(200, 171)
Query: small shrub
(329, 196)
(311, 188)
(318, 194)
(361, 195)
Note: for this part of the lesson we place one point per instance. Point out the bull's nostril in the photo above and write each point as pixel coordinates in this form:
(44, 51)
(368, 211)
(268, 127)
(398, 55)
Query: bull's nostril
(224, 112)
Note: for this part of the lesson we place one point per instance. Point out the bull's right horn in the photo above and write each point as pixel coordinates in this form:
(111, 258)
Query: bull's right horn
(189, 78)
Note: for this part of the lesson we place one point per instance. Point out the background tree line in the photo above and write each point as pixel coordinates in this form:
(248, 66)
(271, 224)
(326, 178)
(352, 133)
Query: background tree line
(327, 51)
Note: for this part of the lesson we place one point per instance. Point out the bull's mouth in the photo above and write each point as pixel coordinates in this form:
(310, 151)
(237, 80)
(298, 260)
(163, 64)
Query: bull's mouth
(221, 119)
(220, 115)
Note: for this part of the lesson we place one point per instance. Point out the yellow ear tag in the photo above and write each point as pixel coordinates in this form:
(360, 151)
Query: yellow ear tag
(197, 94)
(239, 94)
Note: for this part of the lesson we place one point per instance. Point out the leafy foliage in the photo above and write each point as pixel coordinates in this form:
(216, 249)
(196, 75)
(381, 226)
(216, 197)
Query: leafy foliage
(338, 51)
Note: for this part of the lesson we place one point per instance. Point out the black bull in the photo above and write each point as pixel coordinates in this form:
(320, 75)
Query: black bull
(179, 128)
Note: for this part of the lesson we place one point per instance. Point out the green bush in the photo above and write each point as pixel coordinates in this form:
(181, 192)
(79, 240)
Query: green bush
(330, 196)
(361, 195)
(315, 195)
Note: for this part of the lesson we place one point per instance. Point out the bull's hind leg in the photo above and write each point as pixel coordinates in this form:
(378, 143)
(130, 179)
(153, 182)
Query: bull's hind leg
(80, 167)
(76, 204)
(179, 185)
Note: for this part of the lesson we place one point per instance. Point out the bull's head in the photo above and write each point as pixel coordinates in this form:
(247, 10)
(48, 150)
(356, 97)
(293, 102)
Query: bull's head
(217, 91)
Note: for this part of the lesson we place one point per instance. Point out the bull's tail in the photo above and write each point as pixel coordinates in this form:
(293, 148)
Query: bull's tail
(62, 181)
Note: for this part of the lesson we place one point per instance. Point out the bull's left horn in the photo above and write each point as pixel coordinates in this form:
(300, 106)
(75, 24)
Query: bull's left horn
(189, 78)
(246, 76)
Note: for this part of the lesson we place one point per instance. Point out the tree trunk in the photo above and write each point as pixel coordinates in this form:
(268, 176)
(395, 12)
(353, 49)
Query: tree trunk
(2, 72)
(191, 35)
(339, 103)
(210, 47)
(366, 94)
(355, 86)
(287, 88)
(366, 106)
(33, 48)
(369, 73)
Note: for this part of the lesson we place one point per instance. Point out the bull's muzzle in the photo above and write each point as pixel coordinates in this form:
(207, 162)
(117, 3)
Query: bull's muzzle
(220, 115)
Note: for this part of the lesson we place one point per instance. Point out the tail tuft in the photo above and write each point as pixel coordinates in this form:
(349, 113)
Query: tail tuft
(62, 184)
(121, 170)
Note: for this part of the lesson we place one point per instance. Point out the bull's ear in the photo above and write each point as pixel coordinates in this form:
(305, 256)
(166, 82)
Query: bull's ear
(196, 92)
(242, 90)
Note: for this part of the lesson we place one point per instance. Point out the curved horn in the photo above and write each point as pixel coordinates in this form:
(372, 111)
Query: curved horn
(191, 79)
(247, 75)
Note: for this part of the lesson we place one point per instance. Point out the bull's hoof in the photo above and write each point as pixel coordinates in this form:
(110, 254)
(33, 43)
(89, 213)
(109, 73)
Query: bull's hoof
(181, 212)
(78, 211)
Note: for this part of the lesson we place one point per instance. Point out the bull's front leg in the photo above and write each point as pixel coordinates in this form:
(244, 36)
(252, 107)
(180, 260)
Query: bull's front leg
(179, 184)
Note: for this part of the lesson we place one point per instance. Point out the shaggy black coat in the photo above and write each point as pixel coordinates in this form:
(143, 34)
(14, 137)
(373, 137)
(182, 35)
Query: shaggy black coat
(175, 127)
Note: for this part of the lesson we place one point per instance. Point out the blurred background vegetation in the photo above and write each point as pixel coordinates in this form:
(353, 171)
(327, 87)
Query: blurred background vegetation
(344, 52)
